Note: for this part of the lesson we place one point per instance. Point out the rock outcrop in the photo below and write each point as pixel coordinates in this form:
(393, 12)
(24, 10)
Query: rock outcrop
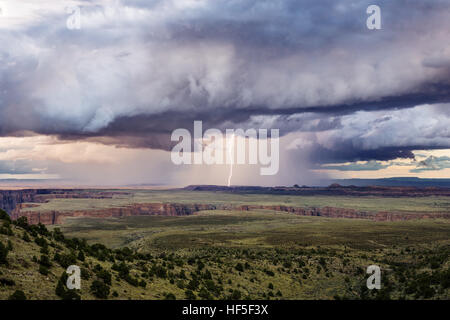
(10, 199)
(175, 209)
(145, 209)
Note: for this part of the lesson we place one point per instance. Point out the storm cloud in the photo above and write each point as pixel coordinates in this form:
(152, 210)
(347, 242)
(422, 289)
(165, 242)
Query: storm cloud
(137, 70)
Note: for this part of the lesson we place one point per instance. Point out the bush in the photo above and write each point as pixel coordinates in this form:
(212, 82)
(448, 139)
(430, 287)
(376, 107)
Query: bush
(65, 260)
(71, 295)
(204, 294)
(81, 256)
(122, 268)
(41, 242)
(18, 295)
(45, 261)
(100, 289)
(269, 273)
(190, 295)
(4, 215)
(58, 235)
(170, 296)
(159, 271)
(85, 275)
(133, 281)
(236, 295)
(43, 270)
(239, 267)
(3, 254)
(22, 222)
(193, 284)
(7, 282)
(60, 290)
(25, 237)
(104, 275)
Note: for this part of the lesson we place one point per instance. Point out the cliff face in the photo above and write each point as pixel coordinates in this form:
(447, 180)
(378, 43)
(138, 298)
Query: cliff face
(332, 212)
(10, 199)
(148, 209)
(13, 202)
(173, 209)
(323, 212)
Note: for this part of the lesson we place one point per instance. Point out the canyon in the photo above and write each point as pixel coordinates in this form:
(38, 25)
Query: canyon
(18, 203)
(176, 209)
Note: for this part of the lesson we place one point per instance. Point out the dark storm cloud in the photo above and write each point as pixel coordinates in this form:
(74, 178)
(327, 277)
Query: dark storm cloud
(378, 135)
(140, 69)
(369, 165)
(348, 153)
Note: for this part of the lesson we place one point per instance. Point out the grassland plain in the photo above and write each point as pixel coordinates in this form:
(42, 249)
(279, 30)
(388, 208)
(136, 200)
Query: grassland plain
(302, 257)
(369, 203)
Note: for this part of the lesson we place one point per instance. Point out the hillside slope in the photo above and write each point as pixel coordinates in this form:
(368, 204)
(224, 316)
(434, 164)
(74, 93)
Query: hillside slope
(33, 261)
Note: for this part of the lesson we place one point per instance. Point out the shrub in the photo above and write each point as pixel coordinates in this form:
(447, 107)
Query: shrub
(193, 284)
(18, 295)
(22, 222)
(41, 242)
(200, 265)
(239, 267)
(133, 281)
(65, 260)
(122, 268)
(81, 256)
(3, 254)
(7, 282)
(43, 270)
(99, 289)
(159, 271)
(58, 235)
(189, 295)
(60, 287)
(85, 275)
(71, 295)
(236, 295)
(104, 275)
(60, 290)
(4, 215)
(42, 230)
(45, 261)
(170, 296)
(25, 237)
(269, 273)
(204, 294)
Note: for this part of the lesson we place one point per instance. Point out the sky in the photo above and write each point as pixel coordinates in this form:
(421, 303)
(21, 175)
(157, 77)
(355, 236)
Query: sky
(91, 91)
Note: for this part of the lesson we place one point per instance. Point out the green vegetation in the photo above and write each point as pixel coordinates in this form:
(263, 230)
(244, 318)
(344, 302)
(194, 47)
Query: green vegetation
(226, 255)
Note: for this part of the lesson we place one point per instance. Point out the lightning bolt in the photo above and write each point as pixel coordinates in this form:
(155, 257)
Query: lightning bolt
(230, 146)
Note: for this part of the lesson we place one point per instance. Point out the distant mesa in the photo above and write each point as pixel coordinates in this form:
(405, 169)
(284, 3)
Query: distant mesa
(335, 185)
(334, 189)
